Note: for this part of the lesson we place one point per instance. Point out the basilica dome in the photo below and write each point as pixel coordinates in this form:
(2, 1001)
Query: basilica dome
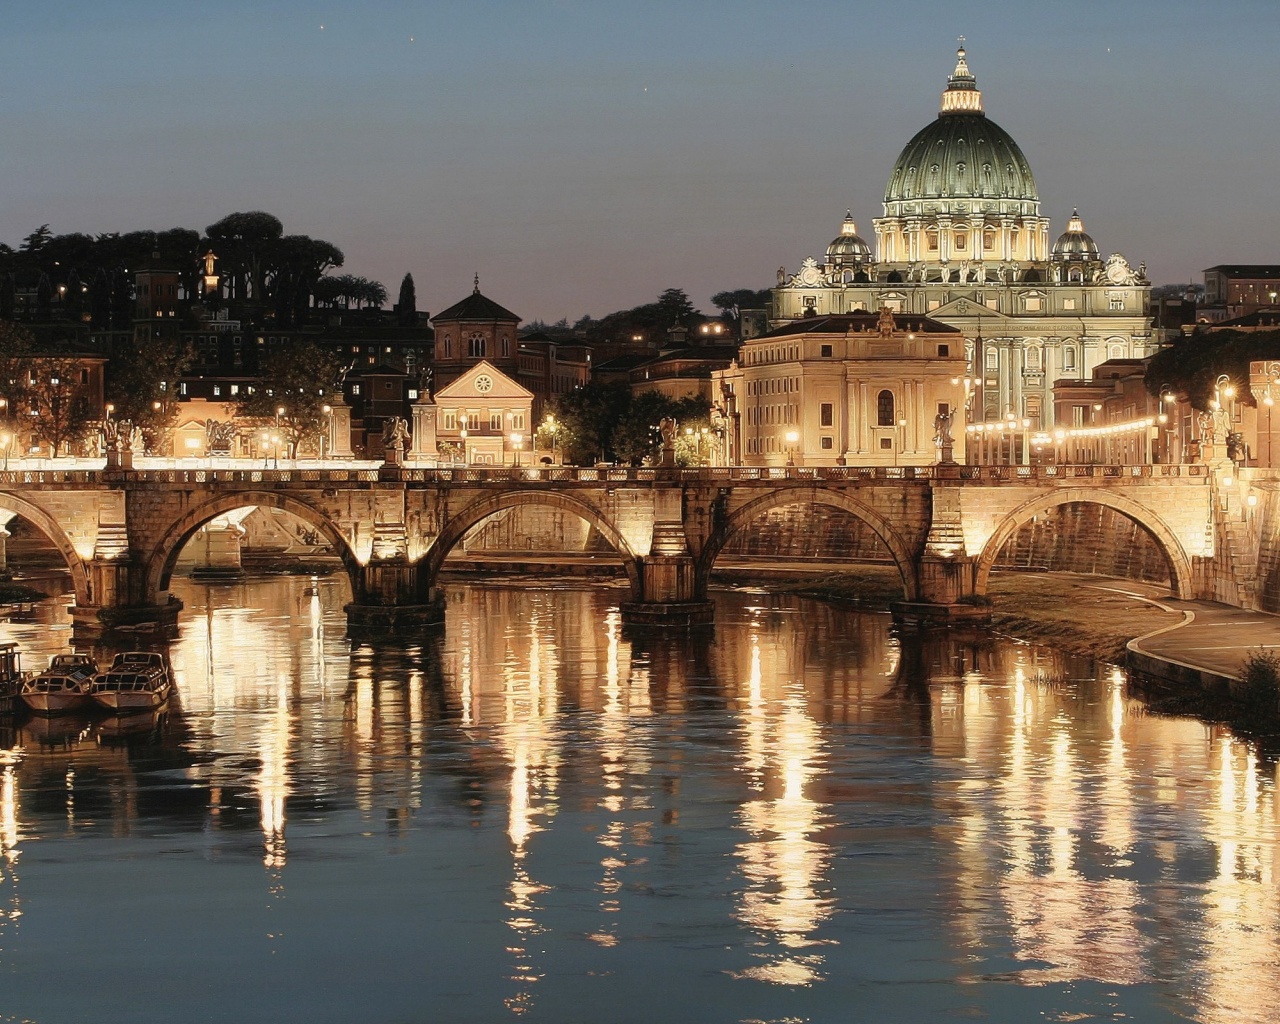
(849, 247)
(1075, 243)
(962, 154)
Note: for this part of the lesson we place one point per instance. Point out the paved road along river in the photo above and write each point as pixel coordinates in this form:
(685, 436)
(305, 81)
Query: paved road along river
(538, 815)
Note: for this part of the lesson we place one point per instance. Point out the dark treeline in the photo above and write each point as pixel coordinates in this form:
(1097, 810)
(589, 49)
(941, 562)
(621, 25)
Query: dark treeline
(89, 278)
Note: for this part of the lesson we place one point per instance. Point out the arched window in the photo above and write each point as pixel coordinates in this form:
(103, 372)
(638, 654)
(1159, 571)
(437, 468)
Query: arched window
(1068, 358)
(476, 346)
(884, 409)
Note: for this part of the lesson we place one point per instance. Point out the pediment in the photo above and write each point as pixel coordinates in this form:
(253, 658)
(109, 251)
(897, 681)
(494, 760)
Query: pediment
(483, 382)
(967, 307)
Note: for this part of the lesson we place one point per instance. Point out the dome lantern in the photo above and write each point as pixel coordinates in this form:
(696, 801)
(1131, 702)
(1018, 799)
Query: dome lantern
(961, 96)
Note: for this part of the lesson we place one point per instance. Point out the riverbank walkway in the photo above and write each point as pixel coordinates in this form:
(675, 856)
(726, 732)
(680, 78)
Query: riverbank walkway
(1214, 639)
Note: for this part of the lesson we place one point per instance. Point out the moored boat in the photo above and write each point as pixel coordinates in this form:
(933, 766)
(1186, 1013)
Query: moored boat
(62, 687)
(136, 681)
(11, 677)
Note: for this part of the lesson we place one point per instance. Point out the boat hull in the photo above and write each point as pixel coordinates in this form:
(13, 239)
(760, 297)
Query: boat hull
(130, 702)
(43, 703)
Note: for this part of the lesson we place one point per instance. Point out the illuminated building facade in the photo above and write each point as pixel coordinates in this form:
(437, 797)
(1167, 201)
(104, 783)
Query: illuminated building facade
(962, 240)
(860, 389)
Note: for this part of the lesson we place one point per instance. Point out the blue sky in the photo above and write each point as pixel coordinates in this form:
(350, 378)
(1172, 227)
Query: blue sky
(582, 156)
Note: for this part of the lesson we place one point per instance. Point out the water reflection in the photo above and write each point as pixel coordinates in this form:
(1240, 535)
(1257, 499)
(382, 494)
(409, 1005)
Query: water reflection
(796, 801)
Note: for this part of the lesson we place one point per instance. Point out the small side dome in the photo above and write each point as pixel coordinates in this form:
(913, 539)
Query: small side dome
(1075, 243)
(848, 247)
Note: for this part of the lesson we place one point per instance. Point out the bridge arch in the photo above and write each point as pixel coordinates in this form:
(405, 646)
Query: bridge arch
(1180, 572)
(898, 549)
(482, 508)
(162, 558)
(46, 524)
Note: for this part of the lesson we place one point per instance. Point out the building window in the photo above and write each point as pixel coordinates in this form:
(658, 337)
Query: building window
(495, 420)
(1114, 303)
(827, 444)
(988, 240)
(932, 240)
(451, 420)
(944, 351)
(962, 240)
(884, 408)
(517, 420)
(182, 388)
(355, 389)
(506, 345)
(828, 414)
(476, 346)
(886, 443)
(1034, 358)
(235, 389)
(413, 394)
(1068, 358)
(217, 390)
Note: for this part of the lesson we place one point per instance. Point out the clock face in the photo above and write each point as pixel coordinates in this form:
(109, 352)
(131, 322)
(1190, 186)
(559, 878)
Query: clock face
(1117, 273)
(484, 384)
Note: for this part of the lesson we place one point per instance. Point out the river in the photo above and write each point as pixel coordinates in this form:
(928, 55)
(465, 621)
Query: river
(538, 815)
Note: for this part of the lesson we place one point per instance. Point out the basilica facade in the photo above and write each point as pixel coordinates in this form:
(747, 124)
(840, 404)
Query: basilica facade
(962, 240)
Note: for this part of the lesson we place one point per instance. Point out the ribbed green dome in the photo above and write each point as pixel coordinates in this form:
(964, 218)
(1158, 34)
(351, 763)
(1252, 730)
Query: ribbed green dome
(961, 156)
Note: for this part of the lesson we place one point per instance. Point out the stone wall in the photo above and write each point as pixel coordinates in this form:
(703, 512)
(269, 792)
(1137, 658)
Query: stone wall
(1085, 538)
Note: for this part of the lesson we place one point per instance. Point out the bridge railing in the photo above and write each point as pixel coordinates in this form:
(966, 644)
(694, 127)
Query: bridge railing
(593, 474)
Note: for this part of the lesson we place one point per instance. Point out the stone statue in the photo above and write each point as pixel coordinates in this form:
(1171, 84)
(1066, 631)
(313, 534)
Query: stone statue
(112, 438)
(425, 379)
(782, 276)
(219, 436)
(137, 443)
(1236, 448)
(886, 325)
(667, 428)
(1208, 429)
(942, 429)
(209, 259)
(395, 434)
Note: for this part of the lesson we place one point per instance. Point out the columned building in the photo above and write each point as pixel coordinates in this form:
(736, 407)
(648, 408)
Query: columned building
(962, 240)
(858, 389)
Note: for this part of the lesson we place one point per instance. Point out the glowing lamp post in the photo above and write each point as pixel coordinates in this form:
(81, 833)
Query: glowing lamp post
(792, 438)
(517, 442)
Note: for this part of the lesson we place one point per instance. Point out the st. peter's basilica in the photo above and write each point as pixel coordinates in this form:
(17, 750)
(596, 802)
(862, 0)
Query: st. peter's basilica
(962, 240)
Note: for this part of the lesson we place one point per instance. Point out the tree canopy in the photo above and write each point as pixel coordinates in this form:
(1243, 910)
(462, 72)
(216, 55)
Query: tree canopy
(604, 421)
(1193, 364)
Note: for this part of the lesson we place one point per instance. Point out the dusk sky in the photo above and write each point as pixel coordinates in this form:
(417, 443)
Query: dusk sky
(582, 156)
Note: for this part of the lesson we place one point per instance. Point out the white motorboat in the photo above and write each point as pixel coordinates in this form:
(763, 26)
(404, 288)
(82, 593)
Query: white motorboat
(136, 681)
(62, 687)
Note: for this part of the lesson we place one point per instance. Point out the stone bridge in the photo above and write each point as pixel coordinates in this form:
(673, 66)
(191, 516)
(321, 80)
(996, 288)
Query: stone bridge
(121, 531)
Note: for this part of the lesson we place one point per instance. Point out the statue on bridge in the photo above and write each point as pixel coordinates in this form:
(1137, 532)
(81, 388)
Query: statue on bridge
(667, 428)
(395, 434)
(219, 436)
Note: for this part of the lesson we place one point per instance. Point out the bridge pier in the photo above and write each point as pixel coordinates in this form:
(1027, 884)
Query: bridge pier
(217, 548)
(669, 594)
(394, 594)
(945, 593)
(115, 600)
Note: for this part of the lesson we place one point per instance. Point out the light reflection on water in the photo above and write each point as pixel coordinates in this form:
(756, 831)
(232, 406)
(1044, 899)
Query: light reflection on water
(539, 813)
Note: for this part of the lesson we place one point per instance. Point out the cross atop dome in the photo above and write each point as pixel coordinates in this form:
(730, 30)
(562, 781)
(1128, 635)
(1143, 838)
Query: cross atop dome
(961, 94)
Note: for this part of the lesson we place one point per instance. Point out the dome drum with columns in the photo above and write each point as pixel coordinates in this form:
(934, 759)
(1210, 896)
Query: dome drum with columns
(962, 239)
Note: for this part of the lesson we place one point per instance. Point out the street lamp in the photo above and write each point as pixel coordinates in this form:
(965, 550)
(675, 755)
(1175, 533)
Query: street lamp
(279, 413)
(792, 437)
(328, 428)
(266, 449)
(550, 424)
(7, 441)
(517, 440)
